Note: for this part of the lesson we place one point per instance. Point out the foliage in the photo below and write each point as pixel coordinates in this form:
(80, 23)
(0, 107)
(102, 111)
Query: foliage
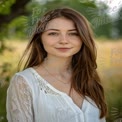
(17, 27)
(3, 103)
(5, 6)
(119, 23)
(114, 98)
(5, 77)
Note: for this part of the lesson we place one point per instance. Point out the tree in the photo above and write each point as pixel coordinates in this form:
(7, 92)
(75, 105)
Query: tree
(15, 10)
(119, 23)
(9, 10)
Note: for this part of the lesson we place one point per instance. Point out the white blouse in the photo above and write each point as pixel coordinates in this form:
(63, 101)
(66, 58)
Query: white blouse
(30, 98)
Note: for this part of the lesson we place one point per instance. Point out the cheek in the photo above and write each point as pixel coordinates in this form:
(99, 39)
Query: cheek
(47, 45)
(47, 41)
(79, 44)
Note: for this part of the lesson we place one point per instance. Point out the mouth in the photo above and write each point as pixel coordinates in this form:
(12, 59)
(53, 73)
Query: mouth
(63, 49)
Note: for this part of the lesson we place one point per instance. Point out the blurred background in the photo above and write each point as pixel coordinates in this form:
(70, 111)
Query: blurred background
(17, 23)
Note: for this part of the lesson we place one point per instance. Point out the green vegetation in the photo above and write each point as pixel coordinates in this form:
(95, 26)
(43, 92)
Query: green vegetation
(8, 65)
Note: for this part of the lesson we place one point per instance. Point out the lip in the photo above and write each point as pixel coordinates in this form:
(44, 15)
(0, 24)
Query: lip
(63, 49)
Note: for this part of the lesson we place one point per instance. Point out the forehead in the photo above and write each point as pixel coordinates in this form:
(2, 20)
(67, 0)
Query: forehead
(61, 23)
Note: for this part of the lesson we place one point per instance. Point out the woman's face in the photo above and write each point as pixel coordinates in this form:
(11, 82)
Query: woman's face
(61, 38)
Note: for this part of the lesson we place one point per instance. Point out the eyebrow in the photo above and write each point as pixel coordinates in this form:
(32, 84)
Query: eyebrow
(59, 30)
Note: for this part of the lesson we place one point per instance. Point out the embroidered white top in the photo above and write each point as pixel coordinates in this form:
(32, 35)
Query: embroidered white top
(30, 98)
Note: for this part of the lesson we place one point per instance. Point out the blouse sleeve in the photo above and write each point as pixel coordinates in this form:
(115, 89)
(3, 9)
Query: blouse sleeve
(19, 101)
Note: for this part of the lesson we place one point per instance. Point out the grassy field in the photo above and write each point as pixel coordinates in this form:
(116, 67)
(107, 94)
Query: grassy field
(109, 61)
(110, 68)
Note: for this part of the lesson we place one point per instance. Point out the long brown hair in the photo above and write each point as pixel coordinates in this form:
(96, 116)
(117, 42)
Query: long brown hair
(85, 78)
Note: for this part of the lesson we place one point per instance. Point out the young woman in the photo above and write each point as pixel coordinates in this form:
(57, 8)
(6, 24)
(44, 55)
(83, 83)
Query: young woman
(59, 82)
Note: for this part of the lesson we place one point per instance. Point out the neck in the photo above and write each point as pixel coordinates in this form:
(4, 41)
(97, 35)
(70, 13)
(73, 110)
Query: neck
(57, 65)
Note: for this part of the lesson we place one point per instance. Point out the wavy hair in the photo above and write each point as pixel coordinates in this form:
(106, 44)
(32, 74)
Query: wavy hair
(86, 80)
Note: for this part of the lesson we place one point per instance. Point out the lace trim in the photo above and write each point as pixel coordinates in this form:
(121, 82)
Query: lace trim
(43, 85)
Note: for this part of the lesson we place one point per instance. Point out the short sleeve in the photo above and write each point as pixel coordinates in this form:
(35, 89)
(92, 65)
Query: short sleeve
(19, 101)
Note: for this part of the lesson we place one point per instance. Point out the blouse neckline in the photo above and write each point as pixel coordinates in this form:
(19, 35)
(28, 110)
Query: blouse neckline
(47, 83)
(58, 91)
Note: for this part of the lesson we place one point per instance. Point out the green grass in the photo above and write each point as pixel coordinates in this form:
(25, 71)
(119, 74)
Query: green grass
(109, 67)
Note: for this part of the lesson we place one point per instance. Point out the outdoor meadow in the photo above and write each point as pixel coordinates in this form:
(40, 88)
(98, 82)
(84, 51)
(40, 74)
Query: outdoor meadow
(14, 36)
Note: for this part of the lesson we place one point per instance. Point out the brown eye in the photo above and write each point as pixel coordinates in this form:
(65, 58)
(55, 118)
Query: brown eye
(53, 33)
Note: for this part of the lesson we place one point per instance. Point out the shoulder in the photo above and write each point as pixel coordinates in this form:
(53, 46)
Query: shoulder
(25, 76)
(25, 73)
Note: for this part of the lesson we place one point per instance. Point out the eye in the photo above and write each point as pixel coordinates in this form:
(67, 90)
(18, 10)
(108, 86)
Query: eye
(53, 33)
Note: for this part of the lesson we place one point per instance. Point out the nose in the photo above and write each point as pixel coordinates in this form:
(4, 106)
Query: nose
(63, 39)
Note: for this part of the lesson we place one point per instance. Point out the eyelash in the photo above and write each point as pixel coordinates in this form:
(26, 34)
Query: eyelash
(52, 33)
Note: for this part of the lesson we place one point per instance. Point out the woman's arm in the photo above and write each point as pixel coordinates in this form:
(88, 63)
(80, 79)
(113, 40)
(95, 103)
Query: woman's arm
(19, 101)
